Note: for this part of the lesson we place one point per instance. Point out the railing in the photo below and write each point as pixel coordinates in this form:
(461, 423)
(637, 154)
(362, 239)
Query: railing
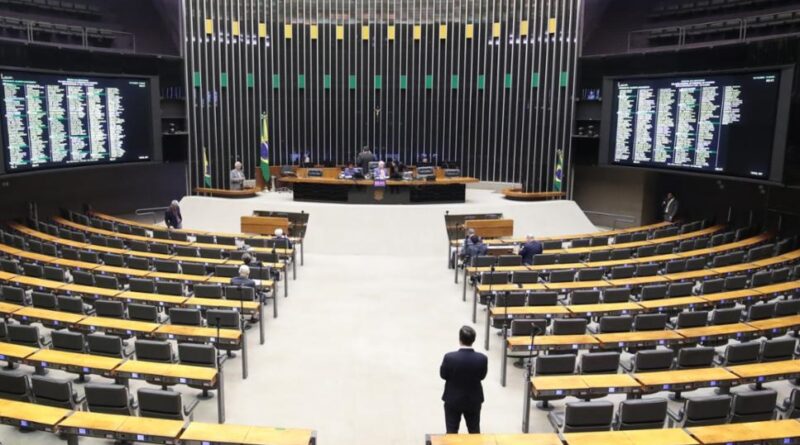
(151, 211)
(36, 31)
(615, 219)
(730, 30)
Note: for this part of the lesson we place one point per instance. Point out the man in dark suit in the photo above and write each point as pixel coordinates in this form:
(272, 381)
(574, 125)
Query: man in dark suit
(529, 249)
(463, 371)
(670, 205)
(172, 217)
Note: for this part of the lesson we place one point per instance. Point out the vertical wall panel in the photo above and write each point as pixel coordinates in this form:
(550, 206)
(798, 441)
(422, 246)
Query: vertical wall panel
(460, 93)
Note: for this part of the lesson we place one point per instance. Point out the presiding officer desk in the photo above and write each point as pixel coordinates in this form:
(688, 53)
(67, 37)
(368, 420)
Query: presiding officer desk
(364, 191)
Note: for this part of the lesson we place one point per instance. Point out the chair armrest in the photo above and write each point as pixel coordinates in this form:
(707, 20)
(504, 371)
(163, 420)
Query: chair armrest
(783, 407)
(127, 354)
(45, 342)
(79, 399)
(628, 368)
(188, 410)
(718, 359)
(556, 421)
(89, 310)
(592, 329)
(674, 417)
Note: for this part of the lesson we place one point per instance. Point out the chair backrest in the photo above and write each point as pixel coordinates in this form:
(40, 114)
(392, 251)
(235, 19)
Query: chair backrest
(142, 312)
(145, 285)
(108, 399)
(185, 316)
(54, 273)
(653, 292)
(208, 291)
(186, 251)
(569, 326)
(510, 299)
(620, 254)
(509, 260)
(695, 357)
(24, 335)
(494, 277)
(197, 354)
(615, 323)
(647, 270)
(665, 249)
(139, 246)
(650, 322)
(167, 266)
(590, 274)
(83, 278)
(481, 261)
(583, 242)
(712, 286)
(568, 258)
(88, 256)
(683, 289)
(44, 300)
(585, 297)
(691, 319)
(742, 353)
(14, 294)
(542, 298)
(784, 308)
(653, 360)
(115, 243)
(696, 263)
(736, 282)
(527, 326)
(623, 238)
(109, 308)
(761, 311)
(159, 248)
(169, 288)
(726, 316)
(599, 255)
(642, 414)
(102, 344)
(52, 392)
(555, 364)
(544, 258)
(65, 340)
(240, 293)
(226, 271)
(106, 281)
(10, 266)
(616, 295)
(709, 410)
(675, 266)
(191, 268)
(227, 318)
(599, 241)
(562, 276)
(160, 404)
(139, 263)
(33, 270)
(599, 362)
(588, 416)
(754, 406)
(14, 385)
(622, 272)
(153, 351)
(777, 349)
(524, 277)
(113, 259)
(781, 275)
(552, 244)
(205, 239)
(70, 304)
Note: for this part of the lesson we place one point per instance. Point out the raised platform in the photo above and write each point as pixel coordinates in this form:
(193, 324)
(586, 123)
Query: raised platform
(364, 191)
(226, 193)
(411, 230)
(516, 194)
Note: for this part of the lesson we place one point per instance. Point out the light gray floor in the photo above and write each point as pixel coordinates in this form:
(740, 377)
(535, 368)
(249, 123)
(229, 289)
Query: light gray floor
(356, 349)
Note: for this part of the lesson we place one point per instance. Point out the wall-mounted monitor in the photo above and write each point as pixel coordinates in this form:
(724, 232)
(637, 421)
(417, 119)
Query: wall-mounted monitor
(52, 120)
(723, 123)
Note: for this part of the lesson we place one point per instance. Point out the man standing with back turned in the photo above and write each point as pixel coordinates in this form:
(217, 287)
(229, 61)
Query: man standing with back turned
(463, 371)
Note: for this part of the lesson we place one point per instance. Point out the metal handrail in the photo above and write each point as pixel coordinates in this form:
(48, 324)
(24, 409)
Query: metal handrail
(617, 217)
(151, 211)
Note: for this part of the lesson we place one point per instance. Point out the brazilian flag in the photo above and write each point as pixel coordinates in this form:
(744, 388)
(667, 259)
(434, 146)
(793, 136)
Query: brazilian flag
(559, 172)
(206, 170)
(264, 148)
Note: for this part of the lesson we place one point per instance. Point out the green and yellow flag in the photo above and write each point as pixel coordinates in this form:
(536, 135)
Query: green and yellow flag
(559, 172)
(206, 170)
(264, 148)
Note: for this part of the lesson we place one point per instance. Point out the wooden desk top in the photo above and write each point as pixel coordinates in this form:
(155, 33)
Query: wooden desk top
(197, 259)
(122, 271)
(31, 412)
(473, 270)
(259, 435)
(129, 236)
(635, 281)
(46, 314)
(742, 432)
(730, 295)
(8, 308)
(173, 370)
(117, 323)
(574, 285)
(94, 421)
(528, 310)
(76, 359)
(157, 298)
(597, 438)
(37, 282)
(610, 381)
(780, 287)
(464, 439)
(215, 433)
(766, 369)
(602, 307)
(197, 331)
(16, 351)
(682, 376)
(506, 287)
(90, 290)
(638, 336)
(773, 323)
(249, 306)
(670, 436)
(553, 340)
(671, 302)
(6, 275)
(178, 276)
(688, 275)
(555, 382)
(151, 427)
(527, 439)
(722, 329)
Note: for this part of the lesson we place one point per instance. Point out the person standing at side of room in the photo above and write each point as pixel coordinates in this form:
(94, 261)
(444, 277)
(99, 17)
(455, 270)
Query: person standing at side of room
(670, 205)
(463, 370)
(172, 217)
(237, 176)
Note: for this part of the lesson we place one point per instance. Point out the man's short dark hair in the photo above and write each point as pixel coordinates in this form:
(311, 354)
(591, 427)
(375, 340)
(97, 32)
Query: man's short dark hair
(246, 258)
(475, 239)
(466, 336)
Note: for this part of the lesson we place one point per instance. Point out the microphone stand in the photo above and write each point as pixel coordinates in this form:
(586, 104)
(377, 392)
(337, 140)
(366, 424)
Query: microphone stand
(528, 374)
(242, 327)
(456, 254)
(220, 379)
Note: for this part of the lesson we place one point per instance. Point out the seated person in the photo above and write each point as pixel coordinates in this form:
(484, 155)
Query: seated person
(396, 170)
(244, 280)
(529, 249)
(249, 261)
(380, 173)
(286, 244)
(348, 171)
(475, 248)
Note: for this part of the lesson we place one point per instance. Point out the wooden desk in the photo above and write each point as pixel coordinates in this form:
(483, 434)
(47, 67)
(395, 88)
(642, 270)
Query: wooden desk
(733, 433)
(638, 338)
(574, 285)
(114, 270)
(10, 351)
(491, 228)
(685, 379)
(55, 318)
(552, 342)
(168, 373)
(31, 415)
(688, 275)
(527, 311)
(84, 423)
(672, 436)
(762, 372)
(118, 326)
(263, 225)
(672, 303)
(8, 308)
(582, 386)
(601, 309)
(483, 288)
(597, 438)
(780, 288)
(742, 295)
(527, 439)
(637, 281)
(157, 299)
(90, 290)
(718, 332)
(776, 325)
(37, 283)
(225, 193)
(119, 427)
(73, 362)
(224, 434)
(197, 333)
(250, 307)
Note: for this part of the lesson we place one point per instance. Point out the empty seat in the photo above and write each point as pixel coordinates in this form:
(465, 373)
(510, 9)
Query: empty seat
(712, 286)
(228, 271)
(509, 260)
(680, 289)
(641, 414)
(24, 335)
(580, 242)
(741, 353)
(621, 272)
(178, 236)
(790, 406)
(620, 254)
(785, 308)
(185, 251)
(761, 311)
(590, 274)
(109, 308)
(83, 278)
(33, 270)
(761, 279)
(553, 365)
(478, 261)
(585, 297)
(645, 251)
(54, 273)
(144, 285)
(777, 349)
(70, 304)
(142, 312)
(650, 322)
(696, 263)
(189, 268)
(599, 255)
(116, 243)
(240, 293)
(139, 263)
(702, 411)
(169, 288)
(653, 292)
(623, 238)
(159, 248)
(665, 249)
(647, 270)
(186, 317)
(227, 318)
(525, 277)
(65, 340)
(167, 266)
(88, 256)
(10, 266)
(562, 276)
(54, 392)
(163, 404)
(569, 326)
(695, 357)
(675, 266)
(207, 291)
(599, 363)
(616, 295)
(15, 295)
(581, 417)
(691, 319)
(198, 355)
(754, 406)
(544, 258)
(14, 385)
(205, 239)
(781, 275)
(615, 323)
(106, 281)
(154, 351)
(510, 299)
(44, 300)
(736, 282)
(726, 316)
(599, 241)
(494, 277)
(106, 345)
(569, 258)
(112, 259)
(652, 360)
(109, 399)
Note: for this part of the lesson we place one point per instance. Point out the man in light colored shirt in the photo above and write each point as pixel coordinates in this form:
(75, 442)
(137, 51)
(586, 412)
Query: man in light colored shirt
(237, 176)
